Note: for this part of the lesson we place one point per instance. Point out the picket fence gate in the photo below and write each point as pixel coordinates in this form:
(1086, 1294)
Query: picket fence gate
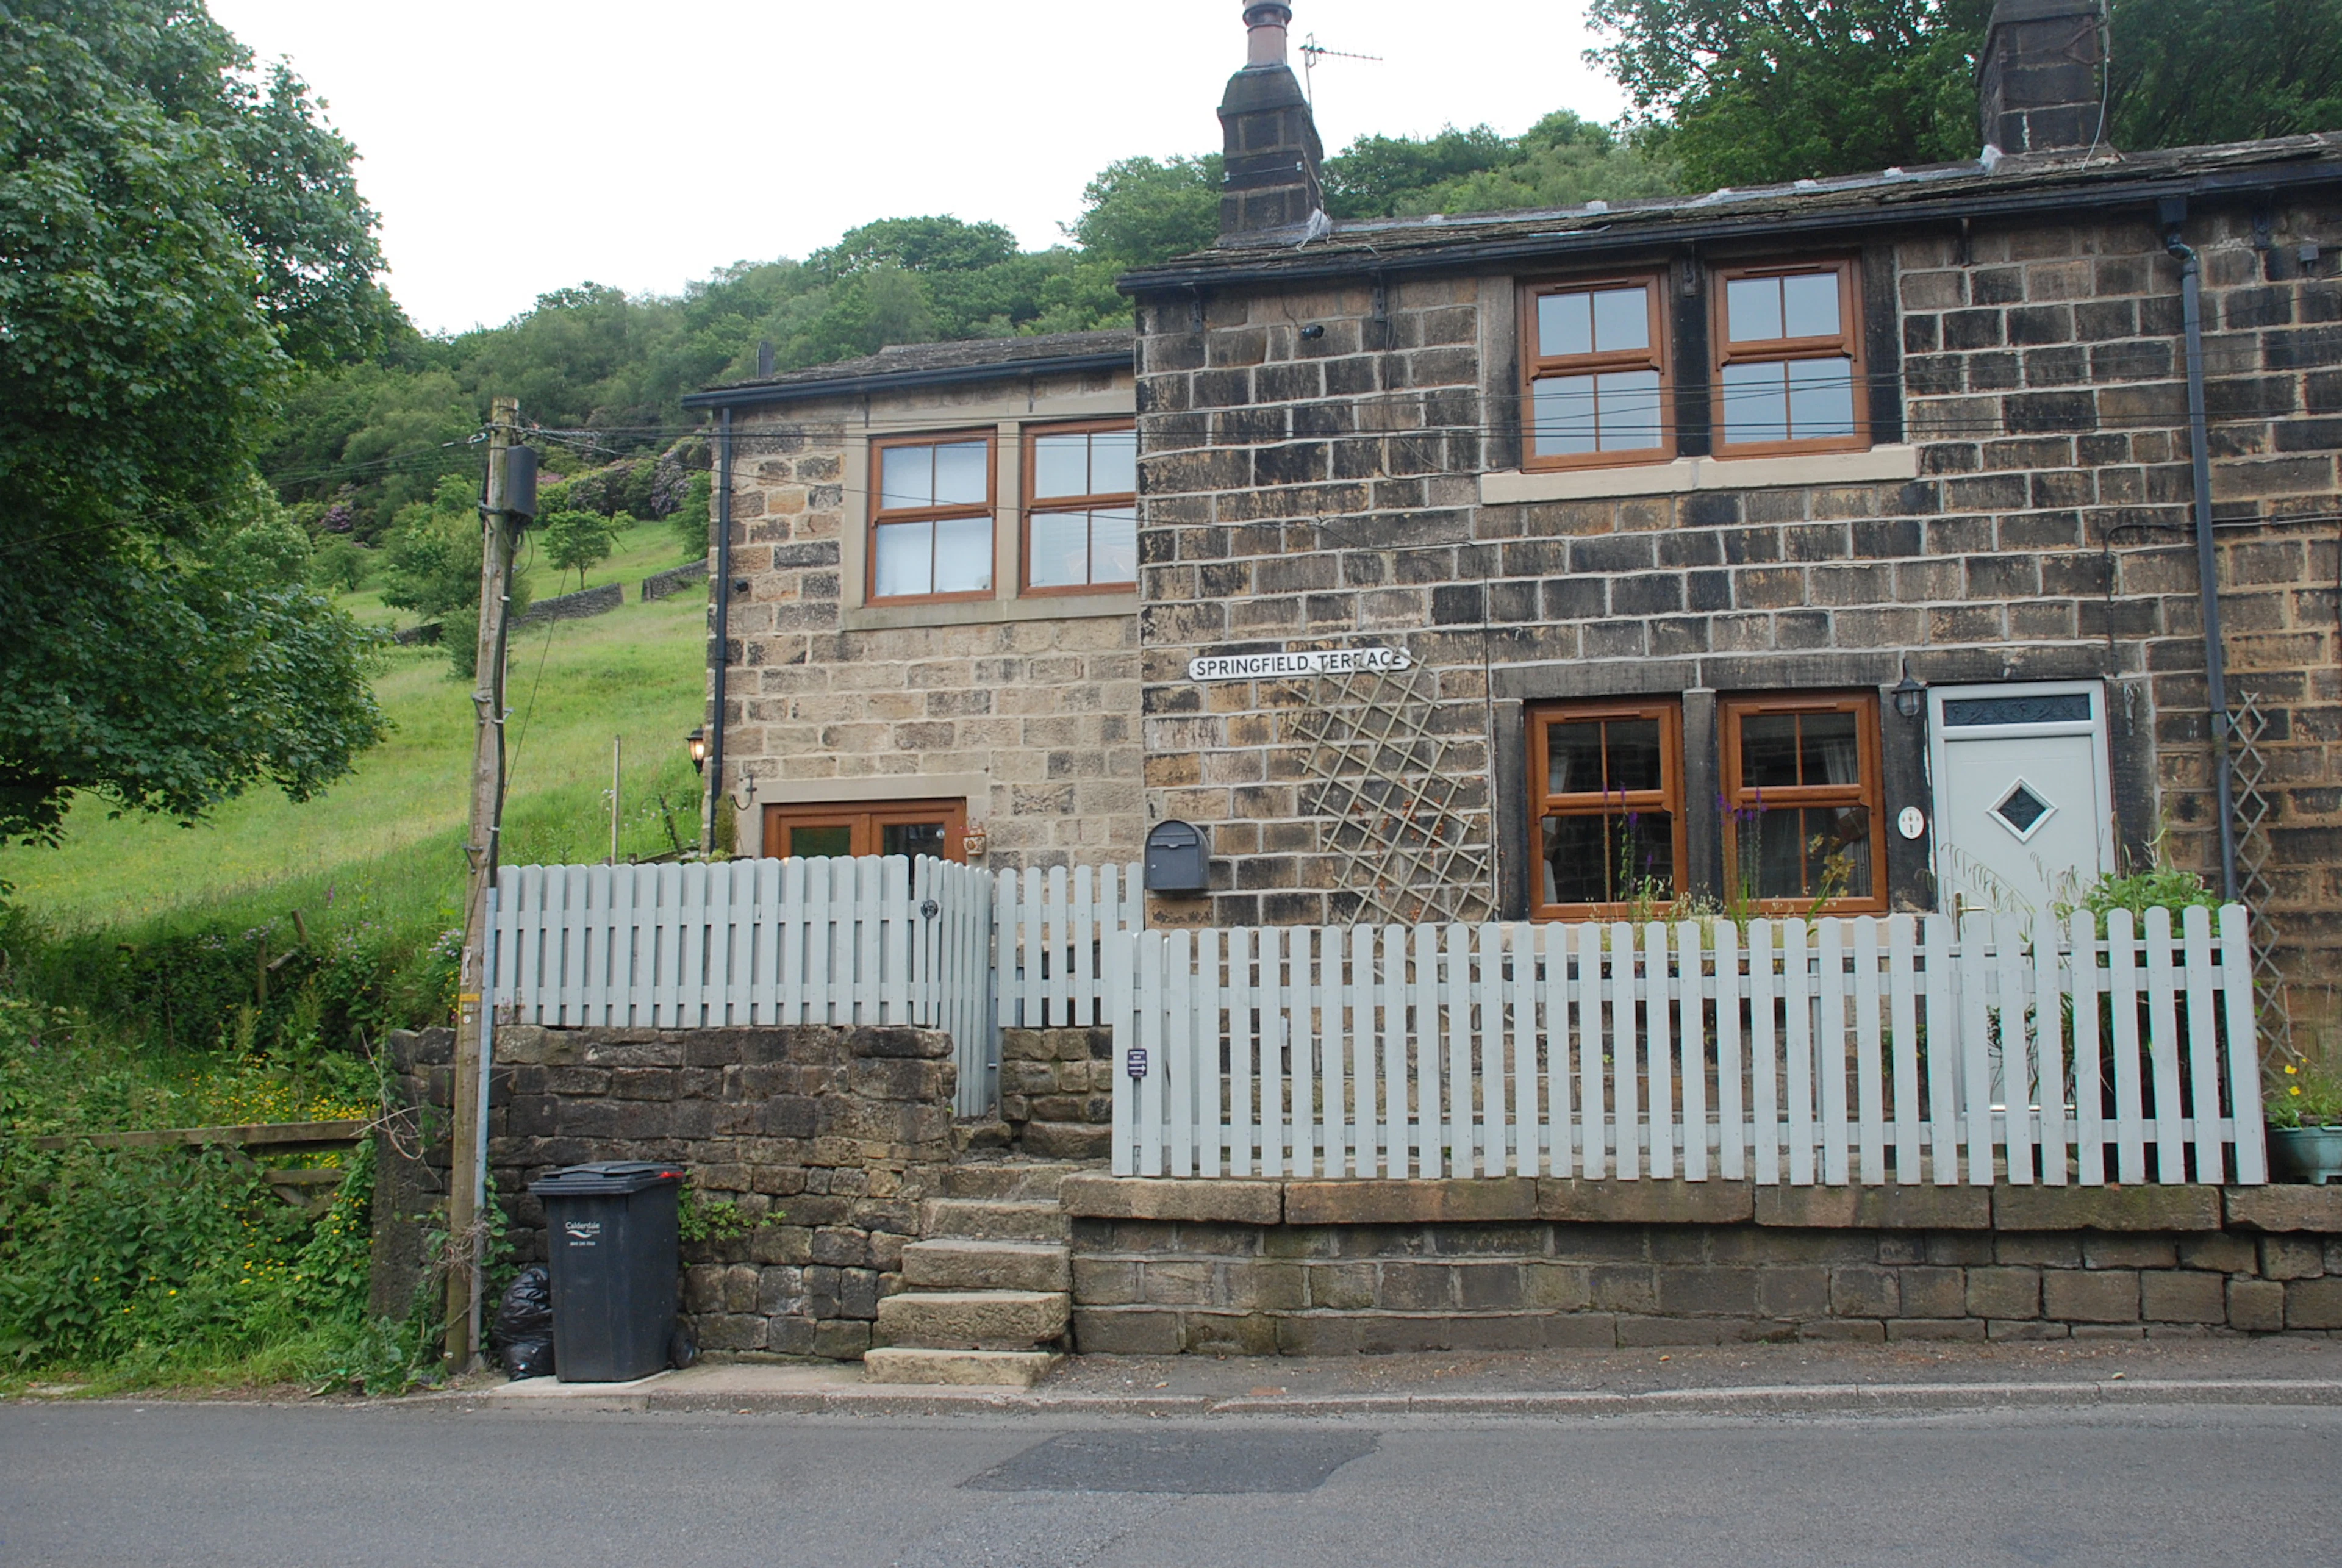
(1053, 927)
(1792, 1051)
(874, 940)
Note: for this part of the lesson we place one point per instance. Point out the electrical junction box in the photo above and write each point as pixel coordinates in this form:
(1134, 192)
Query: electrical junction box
(1176, 860)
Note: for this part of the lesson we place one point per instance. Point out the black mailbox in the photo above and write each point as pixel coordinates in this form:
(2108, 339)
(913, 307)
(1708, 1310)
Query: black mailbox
(1175, 859)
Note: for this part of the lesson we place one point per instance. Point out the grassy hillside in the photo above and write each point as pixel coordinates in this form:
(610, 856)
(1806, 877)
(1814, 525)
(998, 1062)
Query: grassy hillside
(389, 836)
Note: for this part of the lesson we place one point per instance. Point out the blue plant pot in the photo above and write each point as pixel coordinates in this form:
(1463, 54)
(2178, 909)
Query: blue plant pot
(2305, 1153)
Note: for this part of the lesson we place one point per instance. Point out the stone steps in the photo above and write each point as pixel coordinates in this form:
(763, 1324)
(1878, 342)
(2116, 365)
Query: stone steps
(963, 1264)
(989, 1284)
(960, 1368)
(1014, 1181)
(994, 1220)
(975, 1320)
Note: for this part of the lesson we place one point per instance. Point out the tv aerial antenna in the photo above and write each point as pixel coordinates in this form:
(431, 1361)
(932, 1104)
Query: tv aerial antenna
(1312, 52)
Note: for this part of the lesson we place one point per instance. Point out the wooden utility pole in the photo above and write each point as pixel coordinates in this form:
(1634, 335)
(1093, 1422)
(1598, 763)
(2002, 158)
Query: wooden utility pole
(464, 1173)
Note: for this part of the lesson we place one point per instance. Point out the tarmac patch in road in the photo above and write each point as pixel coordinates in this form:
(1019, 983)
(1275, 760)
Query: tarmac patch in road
(1187, 1463)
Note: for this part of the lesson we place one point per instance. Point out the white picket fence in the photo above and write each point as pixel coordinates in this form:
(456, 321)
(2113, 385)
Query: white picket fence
(1053, 927)
(1827, 1051)
(753, 941)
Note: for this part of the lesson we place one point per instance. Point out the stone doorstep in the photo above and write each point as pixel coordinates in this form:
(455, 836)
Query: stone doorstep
(973, 1320)
(1363, 1201)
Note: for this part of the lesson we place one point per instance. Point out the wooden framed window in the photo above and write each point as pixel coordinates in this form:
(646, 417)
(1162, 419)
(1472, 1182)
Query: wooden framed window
(1788, 360)
(936, 827)
(1081, 507)
(1595, 374)
(1606, 806)
(1805, 821)
(931, 517)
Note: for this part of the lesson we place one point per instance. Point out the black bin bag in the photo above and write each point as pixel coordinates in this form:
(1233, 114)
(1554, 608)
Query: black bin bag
(522, 1335)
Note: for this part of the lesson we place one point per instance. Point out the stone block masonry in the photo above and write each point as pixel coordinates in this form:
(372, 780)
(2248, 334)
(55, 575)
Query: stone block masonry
(826, 1140)
(1342, 1267)
(1057, 1091)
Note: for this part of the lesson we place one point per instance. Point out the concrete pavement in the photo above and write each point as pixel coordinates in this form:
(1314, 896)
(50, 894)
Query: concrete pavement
(1739, 1379)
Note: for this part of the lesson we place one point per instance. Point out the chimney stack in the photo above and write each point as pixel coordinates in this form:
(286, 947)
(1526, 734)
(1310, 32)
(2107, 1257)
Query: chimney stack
(2038, 76)
(1271, 191)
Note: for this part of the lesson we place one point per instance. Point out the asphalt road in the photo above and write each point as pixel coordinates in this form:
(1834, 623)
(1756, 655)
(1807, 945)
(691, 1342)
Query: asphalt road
(257, 1486)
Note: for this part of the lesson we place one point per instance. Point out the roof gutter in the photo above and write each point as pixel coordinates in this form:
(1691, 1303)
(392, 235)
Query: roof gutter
(1427, 254)
(754, 396)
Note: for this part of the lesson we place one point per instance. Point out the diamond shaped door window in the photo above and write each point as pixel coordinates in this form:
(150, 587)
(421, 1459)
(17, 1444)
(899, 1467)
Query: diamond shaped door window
(2022, 810)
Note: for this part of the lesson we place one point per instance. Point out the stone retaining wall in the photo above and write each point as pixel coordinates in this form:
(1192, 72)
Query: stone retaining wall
(825, 1139)
(577, 606)
(1057, 1092)
(673, 580)
(1313, 1268)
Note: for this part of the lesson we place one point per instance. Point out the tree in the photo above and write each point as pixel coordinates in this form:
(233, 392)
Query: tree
(1562, 161)
(1757, 91)
(1139, 211)
(576, 541)
(181, 241)
(2185, 72)
(430, 566)
(1749, 92)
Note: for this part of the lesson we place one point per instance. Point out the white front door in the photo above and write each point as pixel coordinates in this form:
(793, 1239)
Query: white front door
(2024, 816)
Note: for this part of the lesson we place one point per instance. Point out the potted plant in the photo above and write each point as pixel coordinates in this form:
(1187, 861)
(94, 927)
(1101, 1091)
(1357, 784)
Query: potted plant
(2305, 1126)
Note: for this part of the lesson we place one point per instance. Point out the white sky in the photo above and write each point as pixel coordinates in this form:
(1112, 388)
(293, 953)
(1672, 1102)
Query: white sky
(518, 148)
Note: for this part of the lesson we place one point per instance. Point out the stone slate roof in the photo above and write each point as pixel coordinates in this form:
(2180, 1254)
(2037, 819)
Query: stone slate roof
(930, 364)
(2045, 182)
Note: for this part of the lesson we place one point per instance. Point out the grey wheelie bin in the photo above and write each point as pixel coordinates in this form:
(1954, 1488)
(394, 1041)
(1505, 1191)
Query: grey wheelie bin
(610, 1233)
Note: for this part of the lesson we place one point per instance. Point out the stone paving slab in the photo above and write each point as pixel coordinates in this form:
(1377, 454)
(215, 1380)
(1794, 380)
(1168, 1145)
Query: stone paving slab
(1742, 1379)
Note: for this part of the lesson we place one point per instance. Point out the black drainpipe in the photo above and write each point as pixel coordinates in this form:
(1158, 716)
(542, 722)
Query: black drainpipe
(2216, 660)
(721, 653)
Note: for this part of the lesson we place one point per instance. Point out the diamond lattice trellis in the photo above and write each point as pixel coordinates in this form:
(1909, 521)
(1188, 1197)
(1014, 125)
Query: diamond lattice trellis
(2247, 770)
(1409, 824)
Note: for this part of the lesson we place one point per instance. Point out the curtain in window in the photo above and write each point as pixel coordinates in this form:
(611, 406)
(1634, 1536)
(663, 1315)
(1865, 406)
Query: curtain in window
(1842, 765)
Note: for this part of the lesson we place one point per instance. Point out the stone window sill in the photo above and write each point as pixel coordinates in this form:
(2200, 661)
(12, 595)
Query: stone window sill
(986, 612)
(1686, 474)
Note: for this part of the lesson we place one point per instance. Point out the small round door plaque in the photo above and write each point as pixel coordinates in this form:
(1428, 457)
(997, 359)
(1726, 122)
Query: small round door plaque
(1911, 822)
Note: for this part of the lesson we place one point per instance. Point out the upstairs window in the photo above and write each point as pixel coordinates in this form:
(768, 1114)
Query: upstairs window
(1788, 360)
(1595, 358)
(1606, 791)
(1081, 513)
(931, 530)
(1804, 828)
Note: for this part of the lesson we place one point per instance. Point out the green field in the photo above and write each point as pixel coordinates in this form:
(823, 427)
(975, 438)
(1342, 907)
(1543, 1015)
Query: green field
(387, 840)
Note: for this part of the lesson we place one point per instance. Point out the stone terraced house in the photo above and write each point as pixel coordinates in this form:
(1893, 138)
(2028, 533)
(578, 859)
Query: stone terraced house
(1834, 546)
(930, 603)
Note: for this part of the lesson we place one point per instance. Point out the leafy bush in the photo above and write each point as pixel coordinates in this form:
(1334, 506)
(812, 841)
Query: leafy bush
(150, 1263)
(2159, 887)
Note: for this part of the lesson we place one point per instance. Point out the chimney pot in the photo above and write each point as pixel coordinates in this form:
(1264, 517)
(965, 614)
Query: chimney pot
(1272, 186)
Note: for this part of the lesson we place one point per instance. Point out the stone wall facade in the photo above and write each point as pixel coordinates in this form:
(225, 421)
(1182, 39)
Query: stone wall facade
(1314, 1268)
(825, 1139)
(1336, 463)
(1023, 707)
